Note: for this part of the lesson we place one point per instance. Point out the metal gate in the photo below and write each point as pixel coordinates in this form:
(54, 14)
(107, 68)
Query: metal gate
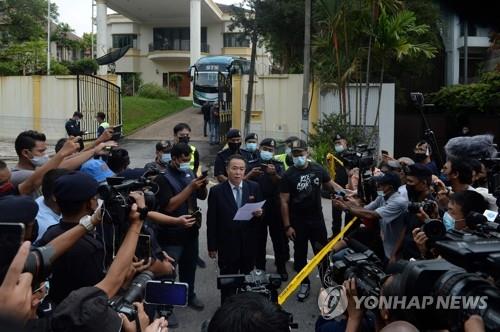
(225, 105)
(97, 95)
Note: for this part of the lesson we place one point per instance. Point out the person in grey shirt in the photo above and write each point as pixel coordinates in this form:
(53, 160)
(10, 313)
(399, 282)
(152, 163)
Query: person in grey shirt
(388, 209)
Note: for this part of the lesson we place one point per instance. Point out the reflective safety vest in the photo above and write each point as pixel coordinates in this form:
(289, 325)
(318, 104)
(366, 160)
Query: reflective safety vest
(191, 162)
(282, 158)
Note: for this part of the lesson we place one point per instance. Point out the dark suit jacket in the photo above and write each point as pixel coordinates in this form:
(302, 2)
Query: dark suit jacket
(234, 240)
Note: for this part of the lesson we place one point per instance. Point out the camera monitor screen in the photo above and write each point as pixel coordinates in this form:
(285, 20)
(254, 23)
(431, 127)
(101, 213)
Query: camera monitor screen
(166, 293)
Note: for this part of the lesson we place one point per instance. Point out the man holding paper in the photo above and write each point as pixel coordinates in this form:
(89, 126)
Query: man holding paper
(233, 241)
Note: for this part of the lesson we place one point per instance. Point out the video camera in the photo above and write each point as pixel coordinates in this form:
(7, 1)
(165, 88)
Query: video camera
(117, 202)
(361, 157)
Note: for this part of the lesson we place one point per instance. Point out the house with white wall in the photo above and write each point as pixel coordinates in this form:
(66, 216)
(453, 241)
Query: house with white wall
(168, 36)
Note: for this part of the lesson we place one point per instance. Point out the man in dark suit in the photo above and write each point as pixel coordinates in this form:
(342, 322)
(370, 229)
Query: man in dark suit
(233, 241)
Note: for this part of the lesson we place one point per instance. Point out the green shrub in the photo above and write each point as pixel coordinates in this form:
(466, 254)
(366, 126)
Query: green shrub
(83, 66)
(154, 91)
(57, 68)
(8, 69)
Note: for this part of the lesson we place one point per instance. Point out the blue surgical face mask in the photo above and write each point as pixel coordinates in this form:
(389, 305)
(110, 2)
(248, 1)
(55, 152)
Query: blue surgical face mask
(448, 221)
(299, 161)
(184, 167)
(288, 151)
(339, 148)
(266, 155)
(166, 157)
(39, 161)
(251, 147)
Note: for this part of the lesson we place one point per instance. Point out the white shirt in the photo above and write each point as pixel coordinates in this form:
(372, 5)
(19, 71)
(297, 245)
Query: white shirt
(45, 217)
(234, 191)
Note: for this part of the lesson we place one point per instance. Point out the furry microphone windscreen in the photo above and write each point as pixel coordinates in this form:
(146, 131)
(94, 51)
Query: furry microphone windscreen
(475, 147)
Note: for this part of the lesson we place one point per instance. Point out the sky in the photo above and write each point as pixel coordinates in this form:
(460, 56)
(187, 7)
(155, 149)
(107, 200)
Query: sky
(78, 13)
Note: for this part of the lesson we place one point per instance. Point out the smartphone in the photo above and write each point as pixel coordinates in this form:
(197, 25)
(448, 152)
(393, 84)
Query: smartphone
(197, 214)
(143, 249)
(11, 238)
(384, 152)
(263, 167)
(204, 174)
(166, 293)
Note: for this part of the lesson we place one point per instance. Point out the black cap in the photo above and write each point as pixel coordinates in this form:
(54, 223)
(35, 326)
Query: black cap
(75, 187)
(394, 164)
(419, 170)
(85, 309)
(18, 209)
(163, 145)
(389, 178)
(251, 136)
(268, 142)
(299, 145)
(232, 133)
(291, 139)
(339, 137)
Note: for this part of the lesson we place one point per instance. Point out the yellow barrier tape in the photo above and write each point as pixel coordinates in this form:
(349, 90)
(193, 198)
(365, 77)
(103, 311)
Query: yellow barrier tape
(292, 286)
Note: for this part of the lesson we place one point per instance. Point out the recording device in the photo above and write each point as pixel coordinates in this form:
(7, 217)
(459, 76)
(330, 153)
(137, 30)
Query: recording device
(427, 205)
(143, 249)
(362, 157)
(166, 293)
(117, 133)
(256, 282)
(124, 304)
(198, 216)
(204, 173)
(434, 230)
(39, 260)
(263, 167)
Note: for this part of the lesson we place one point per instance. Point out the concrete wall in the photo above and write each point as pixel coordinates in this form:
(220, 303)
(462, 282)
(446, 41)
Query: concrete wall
(42, 103)
(277, 104)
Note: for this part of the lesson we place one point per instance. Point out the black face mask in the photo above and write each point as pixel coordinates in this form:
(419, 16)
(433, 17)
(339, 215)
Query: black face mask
(234, 146)
(412, 193)
(482, 182)
(419, 157)
(184, 140)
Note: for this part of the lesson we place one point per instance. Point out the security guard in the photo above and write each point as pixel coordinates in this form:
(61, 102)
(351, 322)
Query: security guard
(267, 173)
(181, 135)
(251, 141)
(286, 158)
(340, 176)
(233, 137)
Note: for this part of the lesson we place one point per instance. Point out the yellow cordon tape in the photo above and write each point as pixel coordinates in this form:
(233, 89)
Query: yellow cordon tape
(292, 286)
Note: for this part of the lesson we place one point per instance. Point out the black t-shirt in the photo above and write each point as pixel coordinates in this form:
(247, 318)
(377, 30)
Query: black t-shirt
(82, 265)
(304, 187)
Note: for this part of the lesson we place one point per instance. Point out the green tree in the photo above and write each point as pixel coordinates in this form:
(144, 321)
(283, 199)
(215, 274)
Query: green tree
(86, 43)
(61, 36)
(29, 58)
(24, 20)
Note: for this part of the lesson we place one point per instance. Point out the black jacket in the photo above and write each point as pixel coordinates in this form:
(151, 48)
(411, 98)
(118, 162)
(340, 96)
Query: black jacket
(233, 240)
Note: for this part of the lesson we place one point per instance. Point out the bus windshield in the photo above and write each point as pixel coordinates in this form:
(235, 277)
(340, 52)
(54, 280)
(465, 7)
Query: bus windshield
(207, 79)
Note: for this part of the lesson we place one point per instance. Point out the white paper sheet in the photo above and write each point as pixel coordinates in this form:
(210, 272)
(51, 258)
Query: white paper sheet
(245, 212)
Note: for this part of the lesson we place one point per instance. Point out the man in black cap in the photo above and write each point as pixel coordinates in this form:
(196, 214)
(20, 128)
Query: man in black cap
(301, 208)
(267, 172)
(234, 143)
(387, 209)
(286, 158)
(15, 209)
(162, 156)
(251, 141)
(83, 265)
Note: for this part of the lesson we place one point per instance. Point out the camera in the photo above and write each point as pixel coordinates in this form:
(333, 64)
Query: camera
(365, 267)
(124, 304)
(361, 157)
(427, 205)
(433, 229)
(117, 202)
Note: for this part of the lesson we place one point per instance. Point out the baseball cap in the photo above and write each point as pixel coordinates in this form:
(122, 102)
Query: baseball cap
(18, 209)
(97, 169)
(75, 187)
(251, 136)
(299, 145)
(339, 137)
(291, 139)
(389, 178)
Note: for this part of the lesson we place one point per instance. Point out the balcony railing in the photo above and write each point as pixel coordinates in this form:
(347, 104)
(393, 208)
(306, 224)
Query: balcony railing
(176, 46)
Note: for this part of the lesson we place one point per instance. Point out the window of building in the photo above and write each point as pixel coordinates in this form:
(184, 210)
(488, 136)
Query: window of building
(232, 39)
(472, 29)
(175, 39)
(122, 40)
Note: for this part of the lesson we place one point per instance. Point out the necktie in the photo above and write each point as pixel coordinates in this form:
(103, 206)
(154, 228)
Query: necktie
(238, 196)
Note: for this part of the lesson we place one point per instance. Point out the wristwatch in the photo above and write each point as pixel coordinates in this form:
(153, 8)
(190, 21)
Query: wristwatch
(86, 222)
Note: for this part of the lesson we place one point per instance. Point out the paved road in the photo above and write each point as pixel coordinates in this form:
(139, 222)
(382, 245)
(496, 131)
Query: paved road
(306, 313)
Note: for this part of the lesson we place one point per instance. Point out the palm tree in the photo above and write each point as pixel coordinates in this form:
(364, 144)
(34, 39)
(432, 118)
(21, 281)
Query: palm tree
(393, 37)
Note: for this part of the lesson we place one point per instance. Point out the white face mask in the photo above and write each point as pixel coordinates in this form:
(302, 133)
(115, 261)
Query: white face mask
(339, 148)
(380, 193)
(166, 157)
(39, 161)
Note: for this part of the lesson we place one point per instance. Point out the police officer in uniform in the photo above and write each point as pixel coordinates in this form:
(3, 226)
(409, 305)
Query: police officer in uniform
(233, 137)
(251, 141)
(286, 158)
(267, 172)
